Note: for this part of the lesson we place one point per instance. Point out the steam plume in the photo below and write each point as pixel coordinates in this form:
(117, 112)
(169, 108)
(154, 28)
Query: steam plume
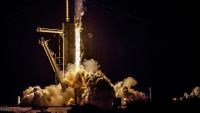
(87, 79)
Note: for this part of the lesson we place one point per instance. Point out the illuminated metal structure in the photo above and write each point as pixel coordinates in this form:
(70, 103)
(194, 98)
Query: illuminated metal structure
(66, 52)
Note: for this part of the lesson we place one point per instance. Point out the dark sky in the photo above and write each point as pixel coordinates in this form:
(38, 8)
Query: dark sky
(147, 39)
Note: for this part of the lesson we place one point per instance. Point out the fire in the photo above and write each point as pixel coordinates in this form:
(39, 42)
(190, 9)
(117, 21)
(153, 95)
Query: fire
(86, 80)
(77, 47)
(79, 12)
(81, 81)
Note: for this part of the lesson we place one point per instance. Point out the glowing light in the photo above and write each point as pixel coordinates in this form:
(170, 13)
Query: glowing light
(79, 12)
(77, 47)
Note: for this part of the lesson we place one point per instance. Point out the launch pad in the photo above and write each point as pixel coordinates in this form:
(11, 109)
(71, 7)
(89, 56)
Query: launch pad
(77, 82)
(68, 78)
(70, 42)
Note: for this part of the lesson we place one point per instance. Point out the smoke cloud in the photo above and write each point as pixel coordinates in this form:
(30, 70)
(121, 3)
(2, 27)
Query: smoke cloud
(124, 90)
(195, 93)
(89, 78)
(79, 12)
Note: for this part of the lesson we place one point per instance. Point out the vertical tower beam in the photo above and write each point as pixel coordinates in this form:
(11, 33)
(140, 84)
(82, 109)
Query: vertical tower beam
(67, 11)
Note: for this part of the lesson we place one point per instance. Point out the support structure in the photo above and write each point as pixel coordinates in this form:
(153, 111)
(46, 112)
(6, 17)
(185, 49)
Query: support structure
(66, 51)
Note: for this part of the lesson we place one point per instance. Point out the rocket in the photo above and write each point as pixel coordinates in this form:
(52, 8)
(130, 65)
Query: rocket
(66, 39)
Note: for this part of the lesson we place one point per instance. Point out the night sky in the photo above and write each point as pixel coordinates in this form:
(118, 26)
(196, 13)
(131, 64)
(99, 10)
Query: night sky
(147, 39)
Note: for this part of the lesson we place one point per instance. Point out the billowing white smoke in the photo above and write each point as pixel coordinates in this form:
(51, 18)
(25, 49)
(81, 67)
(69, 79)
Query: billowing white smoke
(91, 66)
(194, 93)
(52, 95)
(86, 78)
(124, 90)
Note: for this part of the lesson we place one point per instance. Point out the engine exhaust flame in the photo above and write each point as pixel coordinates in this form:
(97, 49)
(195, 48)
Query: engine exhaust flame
(78, 48)
(79, 12)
